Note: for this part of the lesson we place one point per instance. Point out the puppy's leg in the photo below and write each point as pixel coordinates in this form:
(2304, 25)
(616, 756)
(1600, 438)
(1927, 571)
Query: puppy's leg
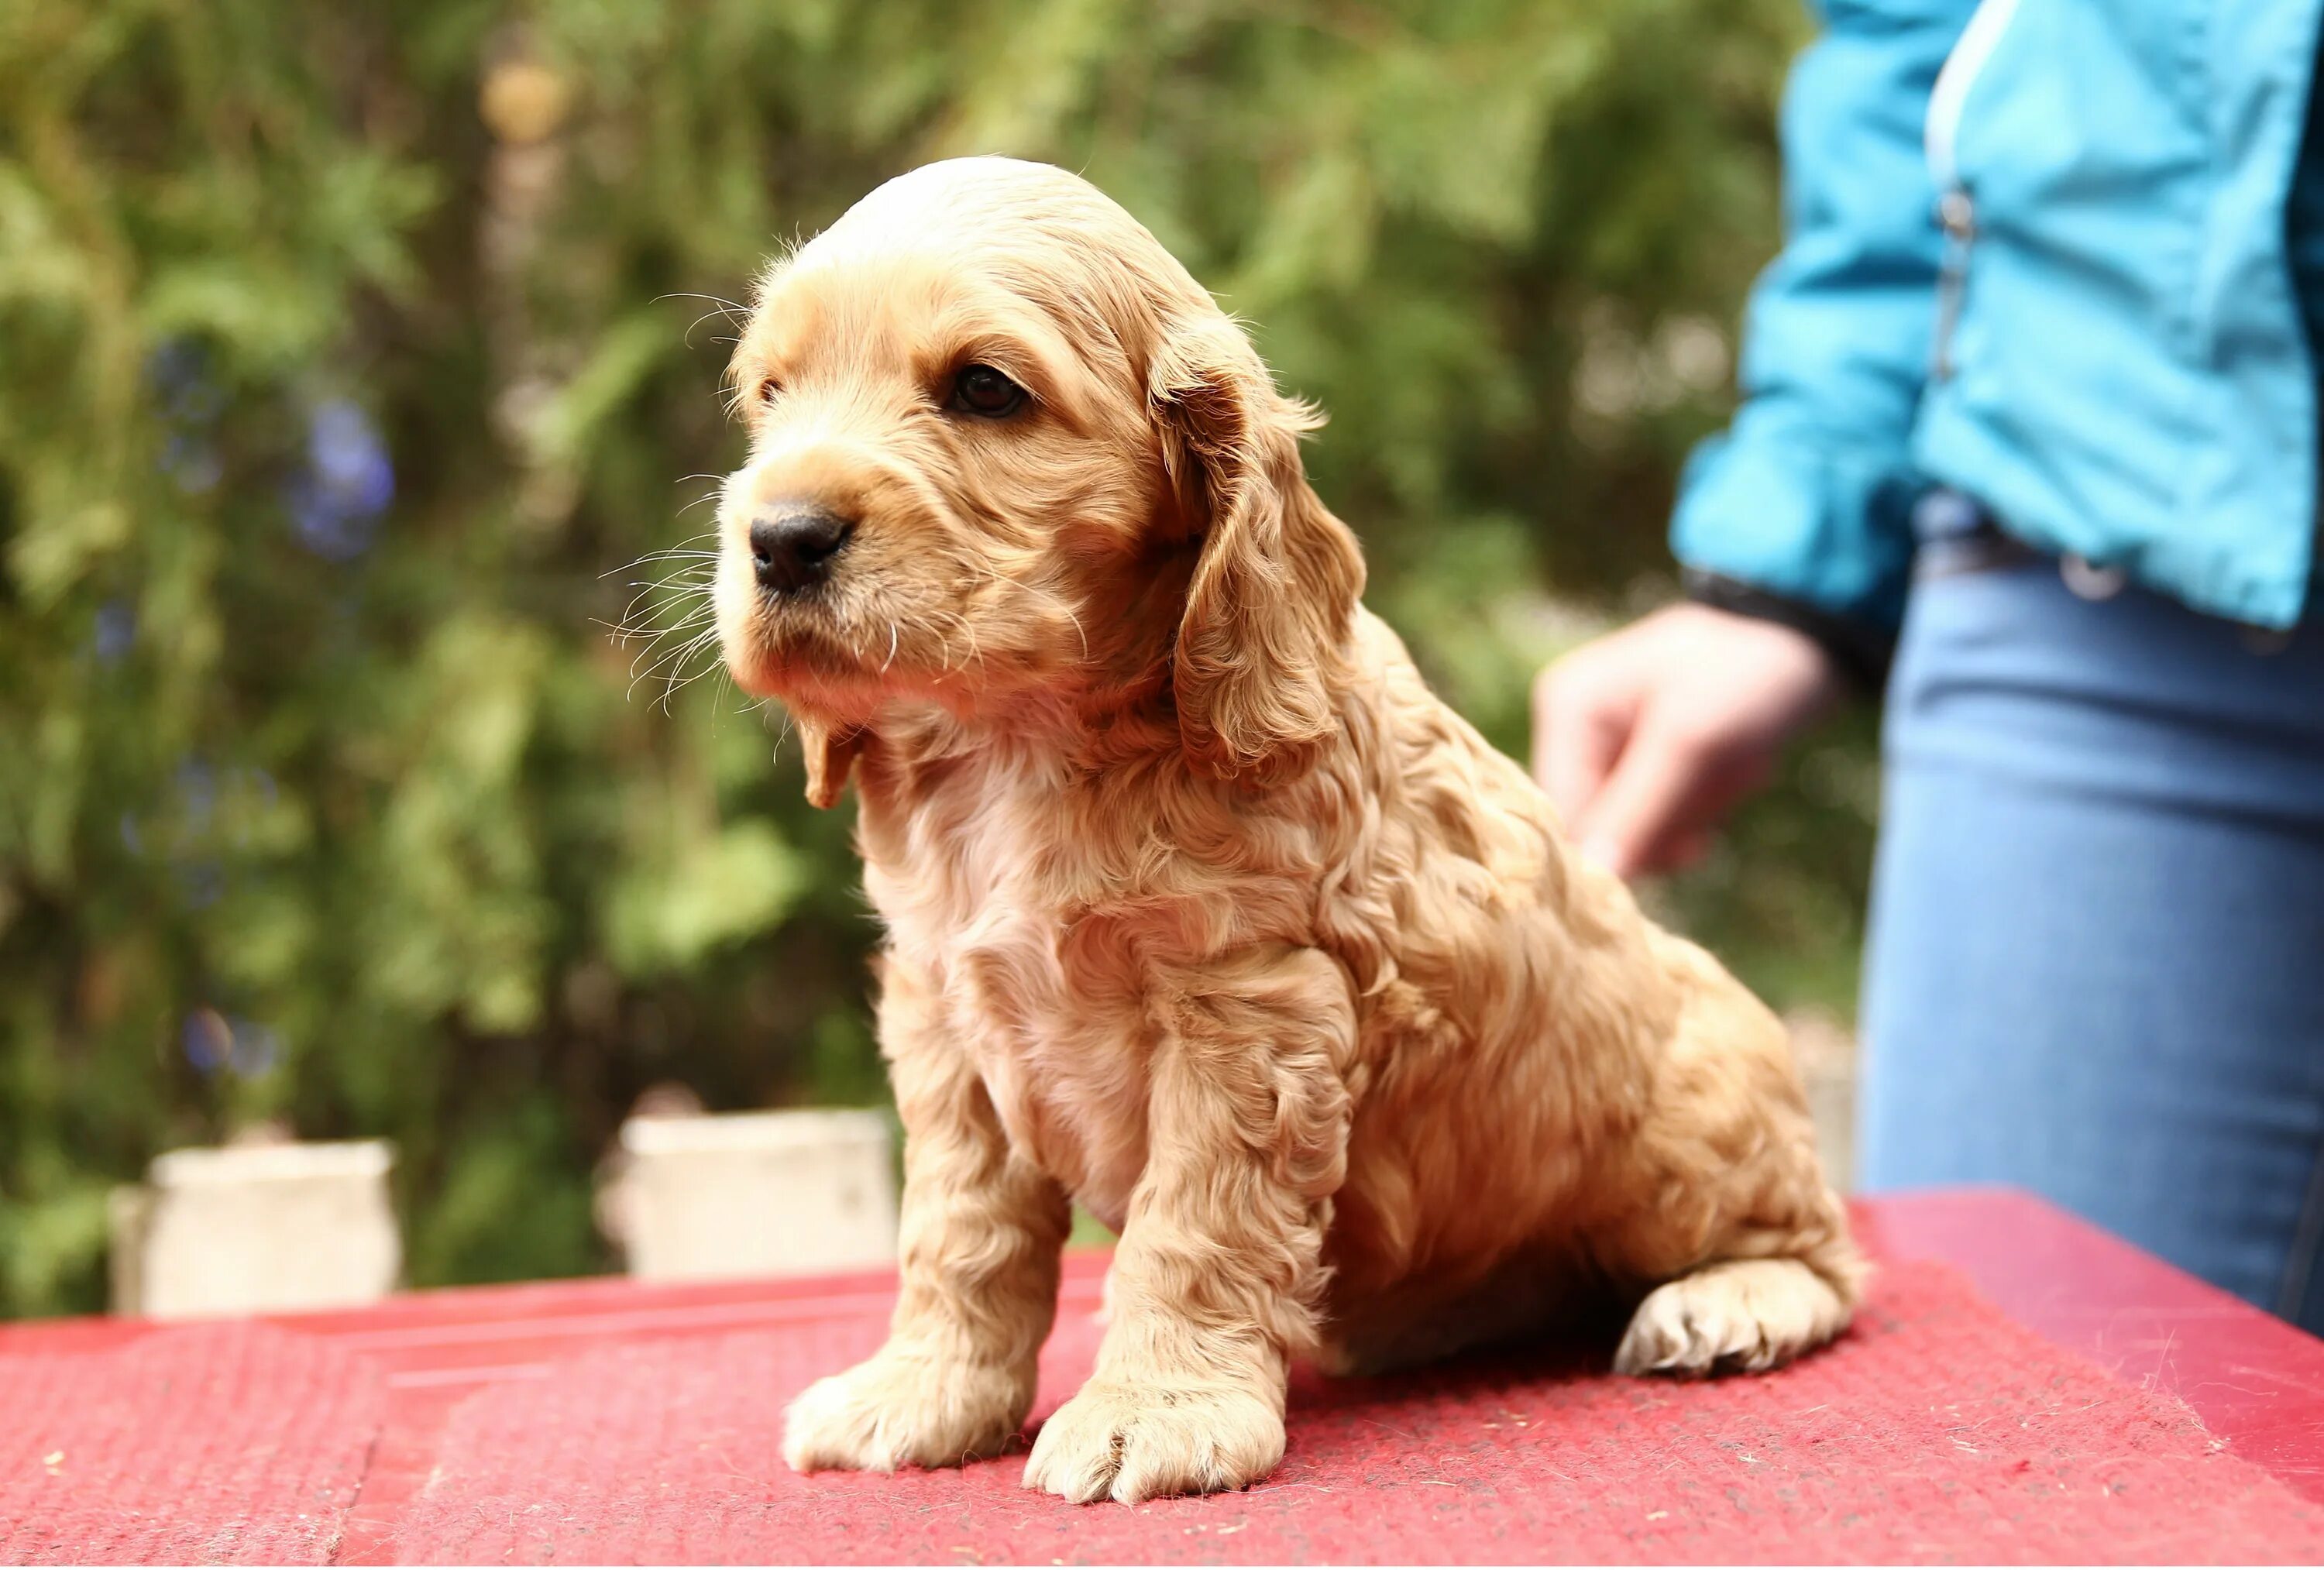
(1217, 1276)
(1735, 1221)
(981, 1232)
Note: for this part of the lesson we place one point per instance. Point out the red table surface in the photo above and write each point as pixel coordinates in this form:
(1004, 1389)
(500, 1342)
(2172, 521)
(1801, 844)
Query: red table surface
(2256, 1383)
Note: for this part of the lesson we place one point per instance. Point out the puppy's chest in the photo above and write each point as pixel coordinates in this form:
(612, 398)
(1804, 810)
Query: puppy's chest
(1042, 946)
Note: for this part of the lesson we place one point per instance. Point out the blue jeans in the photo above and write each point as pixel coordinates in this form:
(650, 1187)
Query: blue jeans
(2095, 966)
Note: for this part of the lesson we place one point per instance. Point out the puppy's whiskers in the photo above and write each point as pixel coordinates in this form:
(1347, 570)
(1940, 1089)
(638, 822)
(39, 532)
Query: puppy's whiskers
(1071, 615)
(968, 632)
(673, 685)
(995, 581)
(673, 618)
(725, 308)
(670, 661)
(686, 590)
(688, 547)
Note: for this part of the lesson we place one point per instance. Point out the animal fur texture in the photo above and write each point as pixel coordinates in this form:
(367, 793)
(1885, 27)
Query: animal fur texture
(1200, 907)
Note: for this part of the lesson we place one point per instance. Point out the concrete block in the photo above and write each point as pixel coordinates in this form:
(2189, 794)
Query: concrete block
(753, 1194)
(255, 1229)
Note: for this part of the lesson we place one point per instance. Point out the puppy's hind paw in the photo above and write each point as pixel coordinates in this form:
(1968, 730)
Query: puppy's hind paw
(1746, 1316)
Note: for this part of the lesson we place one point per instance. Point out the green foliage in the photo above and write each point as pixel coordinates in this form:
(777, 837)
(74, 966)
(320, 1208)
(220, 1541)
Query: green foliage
(345, 363)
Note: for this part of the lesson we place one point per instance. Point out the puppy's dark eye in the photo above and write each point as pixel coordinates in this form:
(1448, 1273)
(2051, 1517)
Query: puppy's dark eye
(769, 390)
(982, 389)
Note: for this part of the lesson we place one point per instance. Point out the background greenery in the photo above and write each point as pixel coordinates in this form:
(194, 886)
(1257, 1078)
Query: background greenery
(349, 359)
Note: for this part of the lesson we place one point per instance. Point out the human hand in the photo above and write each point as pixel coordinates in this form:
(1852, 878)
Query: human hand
(1647, 738)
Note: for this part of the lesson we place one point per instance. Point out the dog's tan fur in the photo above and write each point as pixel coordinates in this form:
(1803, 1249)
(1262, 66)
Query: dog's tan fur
(1201, 908)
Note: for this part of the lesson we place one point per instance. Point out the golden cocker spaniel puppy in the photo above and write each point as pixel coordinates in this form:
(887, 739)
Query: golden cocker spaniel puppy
(1200, 907)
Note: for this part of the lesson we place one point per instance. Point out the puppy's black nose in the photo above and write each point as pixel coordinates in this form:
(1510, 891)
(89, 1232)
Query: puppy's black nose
(792, 545)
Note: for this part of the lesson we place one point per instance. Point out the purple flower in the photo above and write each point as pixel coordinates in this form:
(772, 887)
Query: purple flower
(209, 1040)
(213, 1040)
(348, 482)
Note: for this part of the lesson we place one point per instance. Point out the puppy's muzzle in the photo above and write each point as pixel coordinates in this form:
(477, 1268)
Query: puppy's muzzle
(794, 545)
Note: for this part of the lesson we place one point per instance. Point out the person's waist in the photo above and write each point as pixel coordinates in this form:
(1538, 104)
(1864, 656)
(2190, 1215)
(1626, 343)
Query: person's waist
(1956, 533)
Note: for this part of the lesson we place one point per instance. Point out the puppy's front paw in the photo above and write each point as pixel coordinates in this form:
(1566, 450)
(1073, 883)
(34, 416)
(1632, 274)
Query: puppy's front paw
(1133, 1441)
(1746, 1315)
(904, 1408)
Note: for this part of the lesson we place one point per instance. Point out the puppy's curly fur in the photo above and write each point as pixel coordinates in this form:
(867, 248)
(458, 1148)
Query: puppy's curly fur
(1201, 908)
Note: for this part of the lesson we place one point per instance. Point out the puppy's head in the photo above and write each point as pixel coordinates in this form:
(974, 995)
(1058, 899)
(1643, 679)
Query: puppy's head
(1005, 452)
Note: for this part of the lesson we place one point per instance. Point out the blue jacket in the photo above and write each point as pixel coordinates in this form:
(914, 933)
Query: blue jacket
(2104, 337)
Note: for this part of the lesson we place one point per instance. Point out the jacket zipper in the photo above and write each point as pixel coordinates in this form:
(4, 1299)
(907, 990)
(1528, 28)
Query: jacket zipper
(1956, 210)
(1958, 216)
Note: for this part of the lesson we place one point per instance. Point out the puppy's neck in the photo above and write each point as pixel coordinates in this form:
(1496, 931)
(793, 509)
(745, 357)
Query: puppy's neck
(1045, 739)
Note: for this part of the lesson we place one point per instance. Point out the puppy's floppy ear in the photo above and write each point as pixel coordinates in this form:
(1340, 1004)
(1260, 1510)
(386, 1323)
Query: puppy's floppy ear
(1261, 646)
(831, 749)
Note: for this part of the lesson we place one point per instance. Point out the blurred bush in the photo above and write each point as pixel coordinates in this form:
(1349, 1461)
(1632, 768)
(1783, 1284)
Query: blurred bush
(351, 356)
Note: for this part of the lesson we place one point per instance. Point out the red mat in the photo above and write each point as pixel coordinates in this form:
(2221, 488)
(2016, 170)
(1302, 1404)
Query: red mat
(1937, 1430)
(223, 1444)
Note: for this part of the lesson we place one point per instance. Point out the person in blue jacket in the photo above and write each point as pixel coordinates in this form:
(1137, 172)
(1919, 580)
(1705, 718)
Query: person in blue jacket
(2030, 401)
